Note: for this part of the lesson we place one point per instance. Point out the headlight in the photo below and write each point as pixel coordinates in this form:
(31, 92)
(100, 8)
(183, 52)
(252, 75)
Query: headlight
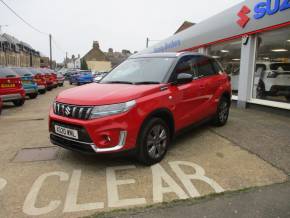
(107, 110)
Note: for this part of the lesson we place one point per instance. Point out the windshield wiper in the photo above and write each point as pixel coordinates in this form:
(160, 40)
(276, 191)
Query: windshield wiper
(146, 82)
(119, 82)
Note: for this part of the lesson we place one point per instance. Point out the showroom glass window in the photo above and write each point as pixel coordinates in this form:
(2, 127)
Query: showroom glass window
(229, 55)
(272, 71)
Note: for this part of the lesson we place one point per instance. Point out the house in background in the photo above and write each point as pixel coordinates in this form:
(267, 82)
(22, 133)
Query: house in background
(73, 62)
(96, 59)
(17, 53)
(117, 57)
(100, 61)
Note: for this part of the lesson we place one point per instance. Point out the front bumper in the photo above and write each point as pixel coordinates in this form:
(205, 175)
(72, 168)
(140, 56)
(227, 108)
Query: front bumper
(31, 91)
(111, 134)
(85, 147)
(85, 81)
(41, 87)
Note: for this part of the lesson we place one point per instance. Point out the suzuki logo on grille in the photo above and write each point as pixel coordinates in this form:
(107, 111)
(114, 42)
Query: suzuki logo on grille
(244, 18)
(67, 111)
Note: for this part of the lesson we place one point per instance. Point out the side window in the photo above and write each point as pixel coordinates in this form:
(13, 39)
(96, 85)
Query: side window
(205, 67)
(216, 66)
(186, 65)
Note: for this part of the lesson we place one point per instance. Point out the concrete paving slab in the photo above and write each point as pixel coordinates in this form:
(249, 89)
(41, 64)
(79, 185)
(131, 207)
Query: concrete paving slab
(36, 154)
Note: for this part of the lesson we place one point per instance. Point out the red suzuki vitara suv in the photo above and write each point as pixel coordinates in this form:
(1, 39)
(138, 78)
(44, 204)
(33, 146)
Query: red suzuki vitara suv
(141, 104)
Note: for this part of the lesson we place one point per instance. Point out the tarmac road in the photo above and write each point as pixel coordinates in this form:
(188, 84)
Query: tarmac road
(39, 179)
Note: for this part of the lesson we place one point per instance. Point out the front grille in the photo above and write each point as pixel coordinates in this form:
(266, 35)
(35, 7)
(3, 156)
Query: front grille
(82, 133)
(72, 111)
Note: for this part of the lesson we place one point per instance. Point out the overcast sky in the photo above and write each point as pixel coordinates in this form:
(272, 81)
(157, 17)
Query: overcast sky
(117, 24)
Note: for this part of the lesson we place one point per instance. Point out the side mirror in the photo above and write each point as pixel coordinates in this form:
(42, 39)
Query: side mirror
(184, 78)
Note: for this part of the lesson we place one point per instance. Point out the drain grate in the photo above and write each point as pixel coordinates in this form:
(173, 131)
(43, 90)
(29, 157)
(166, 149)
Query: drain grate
(36, 154)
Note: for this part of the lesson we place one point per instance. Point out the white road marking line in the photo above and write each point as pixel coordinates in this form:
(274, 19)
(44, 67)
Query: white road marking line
(30, 201)
(72, 196)
(159, 175)
(112, 188)
(198, 175)
(3, 183)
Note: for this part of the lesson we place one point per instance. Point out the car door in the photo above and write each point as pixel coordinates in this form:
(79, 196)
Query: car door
(210, 79)
(186, 97)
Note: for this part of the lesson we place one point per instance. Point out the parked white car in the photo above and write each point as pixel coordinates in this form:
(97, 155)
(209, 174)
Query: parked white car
(270, 79)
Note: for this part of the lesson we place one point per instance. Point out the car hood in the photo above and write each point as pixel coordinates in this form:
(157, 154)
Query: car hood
(103, 94)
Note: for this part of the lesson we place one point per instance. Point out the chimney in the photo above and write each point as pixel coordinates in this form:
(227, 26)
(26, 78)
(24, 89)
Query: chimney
(96, 44)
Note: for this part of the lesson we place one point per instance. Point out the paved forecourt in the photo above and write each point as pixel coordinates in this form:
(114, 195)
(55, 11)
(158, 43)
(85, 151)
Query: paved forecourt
(71, 185)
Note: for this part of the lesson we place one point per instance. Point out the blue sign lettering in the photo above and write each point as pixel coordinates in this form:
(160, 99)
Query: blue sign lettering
(167, 46)
(263, 8)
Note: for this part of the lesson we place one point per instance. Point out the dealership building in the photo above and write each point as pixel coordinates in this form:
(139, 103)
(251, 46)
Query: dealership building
(252, 42)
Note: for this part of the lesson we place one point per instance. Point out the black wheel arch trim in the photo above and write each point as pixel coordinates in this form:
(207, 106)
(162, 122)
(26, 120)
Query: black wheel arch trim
(162, 113)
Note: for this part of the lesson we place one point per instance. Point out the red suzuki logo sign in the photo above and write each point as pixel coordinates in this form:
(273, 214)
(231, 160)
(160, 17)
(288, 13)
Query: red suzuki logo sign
(244, 18)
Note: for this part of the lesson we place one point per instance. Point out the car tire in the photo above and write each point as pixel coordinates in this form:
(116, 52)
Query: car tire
(222, 114)
(19, 102)
(261, 93)
(78, 84)
(33, 95)
(70, 83)
(42, 91)
(49, 89)
(153, 141)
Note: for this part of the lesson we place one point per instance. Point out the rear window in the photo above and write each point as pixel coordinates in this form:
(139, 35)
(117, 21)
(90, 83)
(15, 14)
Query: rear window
(6, 72)
(280, 67)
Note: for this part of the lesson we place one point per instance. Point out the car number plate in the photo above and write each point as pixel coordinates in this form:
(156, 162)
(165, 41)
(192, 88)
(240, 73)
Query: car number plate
(70, 133)
(7, 85)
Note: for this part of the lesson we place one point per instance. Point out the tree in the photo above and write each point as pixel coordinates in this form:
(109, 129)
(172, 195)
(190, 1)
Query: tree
(84, 65)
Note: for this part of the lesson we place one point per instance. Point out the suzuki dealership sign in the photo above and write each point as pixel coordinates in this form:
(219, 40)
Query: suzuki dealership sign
(244, 18)
(270, 8)
(262, 9)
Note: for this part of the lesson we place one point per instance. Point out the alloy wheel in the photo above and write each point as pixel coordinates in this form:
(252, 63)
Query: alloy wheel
(156, 141)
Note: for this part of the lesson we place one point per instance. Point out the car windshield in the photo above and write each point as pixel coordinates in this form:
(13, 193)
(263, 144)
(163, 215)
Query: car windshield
(140, 70)
(280, 67)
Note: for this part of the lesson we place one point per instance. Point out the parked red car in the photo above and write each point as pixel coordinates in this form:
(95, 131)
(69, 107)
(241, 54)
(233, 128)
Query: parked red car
(141, 105)
(53, 76)
(48, 78)
(39, 78)
(11, 89)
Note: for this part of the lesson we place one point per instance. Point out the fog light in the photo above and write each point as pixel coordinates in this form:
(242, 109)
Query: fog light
(107, 138)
